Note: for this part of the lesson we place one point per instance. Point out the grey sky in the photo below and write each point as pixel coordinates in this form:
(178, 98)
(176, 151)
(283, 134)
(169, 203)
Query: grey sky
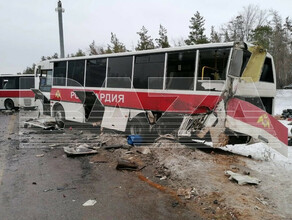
(29, 28)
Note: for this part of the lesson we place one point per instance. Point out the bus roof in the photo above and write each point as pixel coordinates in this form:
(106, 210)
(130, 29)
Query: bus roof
(160, 50)
(16, 75)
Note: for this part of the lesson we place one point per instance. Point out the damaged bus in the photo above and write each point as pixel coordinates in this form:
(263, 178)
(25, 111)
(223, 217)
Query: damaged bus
(223, 89)
(15, 91)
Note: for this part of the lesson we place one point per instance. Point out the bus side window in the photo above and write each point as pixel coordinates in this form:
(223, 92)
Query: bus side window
(181, 70)
(60, 73)
(120, 72)
(11, 83)
(212, 69)
(26, 82)
(213, 63)
(148, 71)
(95, 72)
(76, 73)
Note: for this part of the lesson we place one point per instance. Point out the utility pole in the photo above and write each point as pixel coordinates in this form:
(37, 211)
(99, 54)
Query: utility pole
(60, 10)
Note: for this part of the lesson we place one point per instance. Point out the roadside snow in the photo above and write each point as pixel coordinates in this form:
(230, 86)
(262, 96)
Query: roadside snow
(261, 151)
(283, 100)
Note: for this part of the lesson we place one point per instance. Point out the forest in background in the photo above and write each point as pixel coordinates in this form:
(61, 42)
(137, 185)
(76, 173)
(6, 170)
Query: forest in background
(252, 24)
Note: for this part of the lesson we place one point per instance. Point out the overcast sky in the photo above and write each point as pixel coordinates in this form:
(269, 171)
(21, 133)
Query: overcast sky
(29, 28)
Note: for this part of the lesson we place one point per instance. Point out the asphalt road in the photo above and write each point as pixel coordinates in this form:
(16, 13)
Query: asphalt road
(40, 182)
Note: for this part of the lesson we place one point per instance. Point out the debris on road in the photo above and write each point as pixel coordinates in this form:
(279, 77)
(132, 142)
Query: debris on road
(44, 123)
(166, 137)
(8, 112)
(117, 146)
(134, 140)
(163, 178)
(242, 179)
(144, 150)
(39, 155)
(187, 193)
(48, 190)
(82, 149)
(98, 158)
(90, 202)
(126, 164)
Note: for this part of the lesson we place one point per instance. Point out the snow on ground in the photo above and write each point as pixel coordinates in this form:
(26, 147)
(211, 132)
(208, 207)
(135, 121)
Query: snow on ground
(283, 100)
(261, 151)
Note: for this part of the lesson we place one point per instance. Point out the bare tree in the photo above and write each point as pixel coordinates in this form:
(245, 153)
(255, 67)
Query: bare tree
(241, 27)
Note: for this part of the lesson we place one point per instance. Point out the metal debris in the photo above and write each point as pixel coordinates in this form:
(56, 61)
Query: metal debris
(90, 202)
(242, 179)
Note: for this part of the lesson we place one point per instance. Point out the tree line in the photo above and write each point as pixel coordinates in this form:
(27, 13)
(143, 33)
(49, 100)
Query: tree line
(251, 24)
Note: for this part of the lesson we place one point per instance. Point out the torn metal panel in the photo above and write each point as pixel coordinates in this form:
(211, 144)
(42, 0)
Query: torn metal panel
(184, 129)
(248, 119)
(115, 118)
(253, 69)
(244, 117)
(93, 107)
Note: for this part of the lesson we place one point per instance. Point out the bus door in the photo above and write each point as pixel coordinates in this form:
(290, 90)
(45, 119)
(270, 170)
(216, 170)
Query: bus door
(43, 89)
(45, 102)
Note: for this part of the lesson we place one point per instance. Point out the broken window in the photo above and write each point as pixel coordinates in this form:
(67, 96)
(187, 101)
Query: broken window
(267, 73)
(181, 70)
(212, 68)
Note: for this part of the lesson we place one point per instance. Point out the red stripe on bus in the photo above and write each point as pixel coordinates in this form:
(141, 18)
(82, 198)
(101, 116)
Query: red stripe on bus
(16, 93)
(164, 102)
(250, 114)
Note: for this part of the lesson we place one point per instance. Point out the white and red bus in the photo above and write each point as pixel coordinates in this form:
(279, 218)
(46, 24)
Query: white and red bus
(161, 90)
(15, 91)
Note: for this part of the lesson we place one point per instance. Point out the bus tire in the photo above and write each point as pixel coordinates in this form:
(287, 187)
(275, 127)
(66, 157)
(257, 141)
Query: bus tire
(138, 126)
(9, 104)
(59, 114)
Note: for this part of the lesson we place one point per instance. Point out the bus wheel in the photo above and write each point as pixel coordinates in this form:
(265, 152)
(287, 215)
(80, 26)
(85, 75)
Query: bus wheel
(9, 104)
(138, 126)
(60, 116)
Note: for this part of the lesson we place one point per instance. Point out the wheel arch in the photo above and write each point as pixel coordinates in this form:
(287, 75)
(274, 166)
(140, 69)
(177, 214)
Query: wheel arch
(55, 106)
(9, 100)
